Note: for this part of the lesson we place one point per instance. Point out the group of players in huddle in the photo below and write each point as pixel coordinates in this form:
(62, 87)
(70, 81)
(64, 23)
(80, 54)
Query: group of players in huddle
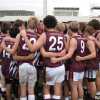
(70, 53)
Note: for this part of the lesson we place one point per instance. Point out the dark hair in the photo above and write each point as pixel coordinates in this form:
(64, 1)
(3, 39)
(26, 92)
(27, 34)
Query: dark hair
(82, 26)
(15, 28)
(50, 21)
(5, 27)
(74, 26)
(95, 24)
(13, 33)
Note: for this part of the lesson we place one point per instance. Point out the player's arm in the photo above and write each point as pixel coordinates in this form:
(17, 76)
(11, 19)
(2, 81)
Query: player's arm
(51, 54)
(33, 47)
(67, 42)
(92, 49)
(23, 58)
(96, 40)
(1, 47)
(97, 43)
(72, 48)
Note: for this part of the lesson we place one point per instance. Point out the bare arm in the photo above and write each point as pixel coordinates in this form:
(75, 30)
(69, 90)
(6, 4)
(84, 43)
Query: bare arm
(1, 47)
(72, 48)
(97, 43)
(23, 58)
(96, 40)
(67, 42)
(51, 54)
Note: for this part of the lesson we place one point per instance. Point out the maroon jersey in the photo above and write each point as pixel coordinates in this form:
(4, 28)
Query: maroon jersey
(78, 66)
(97, 34)
(23, 48)
(54, 43)
(6, 58)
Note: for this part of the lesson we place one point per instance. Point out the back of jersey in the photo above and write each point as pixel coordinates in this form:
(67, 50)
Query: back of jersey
(54, 43)
(78, 66)
(23, 48)
(6, 56)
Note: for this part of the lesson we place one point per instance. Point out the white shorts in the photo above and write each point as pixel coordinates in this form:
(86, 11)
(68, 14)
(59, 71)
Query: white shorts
(55, 75)
(27, 74)
(90, 74)
(76, 76)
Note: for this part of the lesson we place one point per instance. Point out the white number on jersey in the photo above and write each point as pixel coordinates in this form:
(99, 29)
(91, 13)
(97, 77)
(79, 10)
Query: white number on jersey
(82, 46)
(25, 47)
(56, 41)
(5, 53)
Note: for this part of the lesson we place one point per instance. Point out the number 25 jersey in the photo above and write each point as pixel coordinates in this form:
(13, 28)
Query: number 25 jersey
(54, 43)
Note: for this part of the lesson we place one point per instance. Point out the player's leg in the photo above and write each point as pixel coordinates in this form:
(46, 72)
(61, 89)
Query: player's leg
(74, 85)
(49, 81)
(23, 81)
(8, 89)
(80, 86)
(57, 91)
(5, 72)
(47, 95)
(74, 92)
(32, 77)
(91, 83)
(59, 78)
(67, 86)
(98, 83)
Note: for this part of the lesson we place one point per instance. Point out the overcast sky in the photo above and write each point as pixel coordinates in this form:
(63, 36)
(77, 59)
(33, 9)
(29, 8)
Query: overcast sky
(22, 4)
(29, 4)
(37, 5)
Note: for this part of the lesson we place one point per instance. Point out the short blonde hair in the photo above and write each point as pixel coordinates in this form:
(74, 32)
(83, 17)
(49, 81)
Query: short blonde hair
(33, 22)
(60, 27)
(74, 26)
